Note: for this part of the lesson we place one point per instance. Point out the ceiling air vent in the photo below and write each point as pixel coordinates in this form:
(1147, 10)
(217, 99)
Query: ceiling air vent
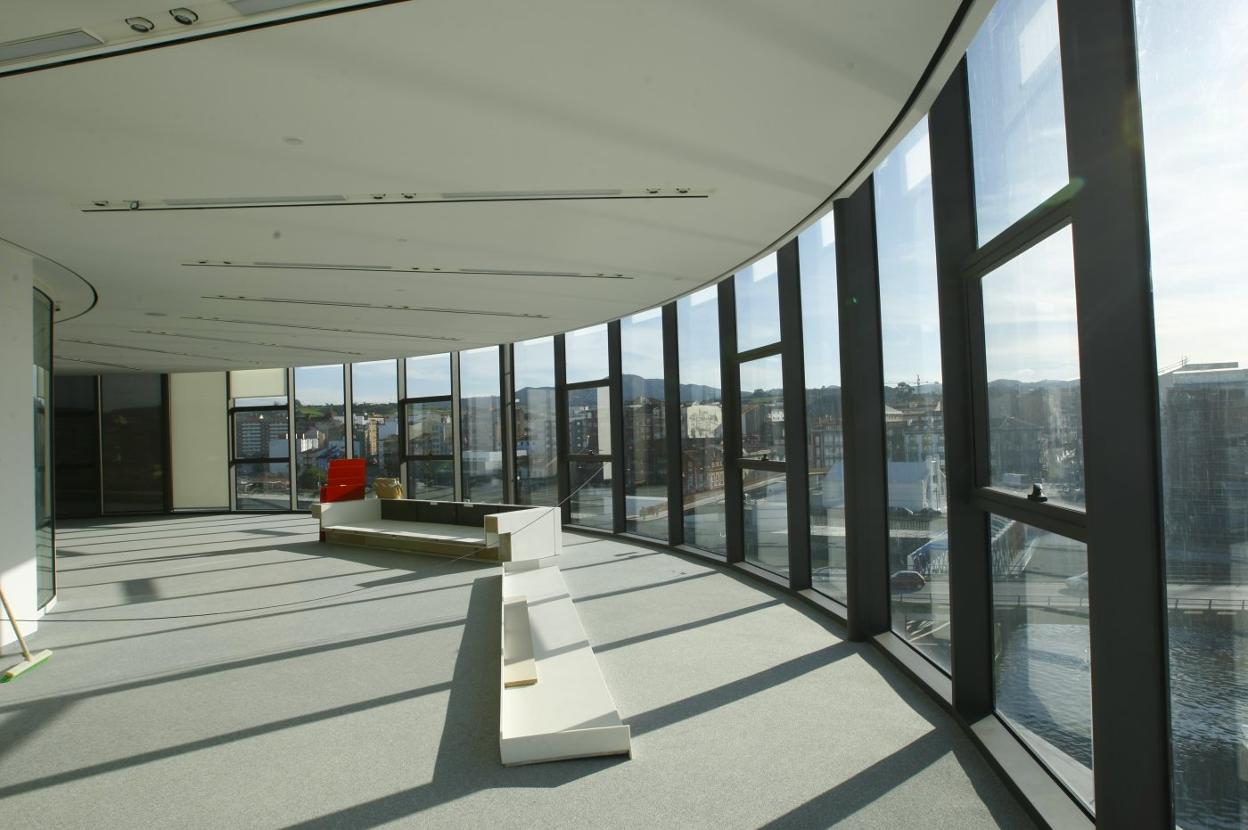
(36, 47)
(249, 7)
(225, 201)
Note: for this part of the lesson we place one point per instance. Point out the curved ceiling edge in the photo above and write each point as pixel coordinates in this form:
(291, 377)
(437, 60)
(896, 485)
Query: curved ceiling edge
(72, 294)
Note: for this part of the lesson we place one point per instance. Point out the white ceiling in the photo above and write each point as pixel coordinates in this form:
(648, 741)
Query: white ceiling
(769, 103)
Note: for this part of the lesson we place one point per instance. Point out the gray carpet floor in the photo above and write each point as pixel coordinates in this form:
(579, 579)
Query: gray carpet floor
(230, 671)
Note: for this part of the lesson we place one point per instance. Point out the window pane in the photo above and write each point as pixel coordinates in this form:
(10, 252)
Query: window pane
(428, 376)
(645, 433)
(481, 424)
(261, 434)
(762, 409)
(1193, 72)
(258, 387)
(591, 501)
(758, 304)
(1017, 118)
(262, 486)
(586, 351)
(77, 435)
(589, 421)
(824, 446)
(320, 428)
(429, 428)
(913, 411)
(433, 480)
(1042, 668)
(537, 477)
(375, 418)
(701, 420)
(132, 429)
(766, 512)
(1035, 426)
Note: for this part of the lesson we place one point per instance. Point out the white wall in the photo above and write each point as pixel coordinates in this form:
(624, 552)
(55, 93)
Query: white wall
(198, 432)
(17, 480)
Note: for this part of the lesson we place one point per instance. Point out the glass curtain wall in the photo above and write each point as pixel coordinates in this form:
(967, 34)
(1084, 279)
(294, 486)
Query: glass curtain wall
(591, 501)
(1193, 76)
(537, 461)
(481, 424)
(320, 428)
(45, 565)
(429, 428)
(260, 439)
(825, 450)
(701, 421)
(645, 433)
(375, 419)
(764, 489)
(132, 443)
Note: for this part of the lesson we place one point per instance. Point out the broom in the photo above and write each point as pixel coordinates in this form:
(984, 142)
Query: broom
(31, 660)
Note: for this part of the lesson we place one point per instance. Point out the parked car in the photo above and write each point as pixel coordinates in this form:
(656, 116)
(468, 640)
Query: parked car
(907, 582)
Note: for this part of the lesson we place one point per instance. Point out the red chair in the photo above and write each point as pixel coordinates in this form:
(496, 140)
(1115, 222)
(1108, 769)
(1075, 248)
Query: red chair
(345, 481)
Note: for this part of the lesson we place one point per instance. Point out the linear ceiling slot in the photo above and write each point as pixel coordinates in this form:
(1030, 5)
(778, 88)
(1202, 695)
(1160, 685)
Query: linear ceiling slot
(155, 351)
(394, 198)
(249, 7)
(270, 324)
(370, 306)
(60, 357)
(242, 342)
(47, 45)
(418, 269)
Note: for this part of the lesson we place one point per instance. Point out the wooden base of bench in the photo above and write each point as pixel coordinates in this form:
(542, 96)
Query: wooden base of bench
(408, 544)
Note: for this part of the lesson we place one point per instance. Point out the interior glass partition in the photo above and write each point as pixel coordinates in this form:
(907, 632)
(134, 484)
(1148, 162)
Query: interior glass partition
(481, 424)
(645, 432)
(760, 376)
(918, 549)
(1193, 73)
(132, 441)
(429, 428)
(76, 428)
(537, 461)
(375, 419)
(701, 421)
(260, 439)
(825, 449)
(45, 564)
(320, 428)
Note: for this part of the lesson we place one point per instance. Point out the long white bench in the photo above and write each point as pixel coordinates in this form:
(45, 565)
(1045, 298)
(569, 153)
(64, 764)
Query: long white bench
(554, 703)
(513, 536)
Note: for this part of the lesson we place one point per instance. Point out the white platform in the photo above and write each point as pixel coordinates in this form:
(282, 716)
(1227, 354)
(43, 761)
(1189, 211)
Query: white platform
(568, 712)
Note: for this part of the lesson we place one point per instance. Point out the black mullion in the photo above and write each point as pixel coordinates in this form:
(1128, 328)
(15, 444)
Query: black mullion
(758, 464)
(862, 374)
(427, 399)
(671, 428)
(507, 405)
(281, 407)
(1043, 221)
(588, 384)
(793, 371)
(563, 458)
(770, 350)
(730, 407)
(1053, 519)
(1122, 457)
(615, 360)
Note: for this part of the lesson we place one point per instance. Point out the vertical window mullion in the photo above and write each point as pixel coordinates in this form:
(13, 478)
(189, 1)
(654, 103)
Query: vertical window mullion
(730, 395)
(616, 386)
(561, 426)
(671, 414)
(794, 373)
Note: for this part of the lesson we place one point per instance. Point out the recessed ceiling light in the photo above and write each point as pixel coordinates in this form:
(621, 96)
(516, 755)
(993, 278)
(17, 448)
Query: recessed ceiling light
(47, 45)
(250, 7)
(293, 141)
(140, 24)
(476, 312)
(155, 314)
(416, 269)
(183, 15)
(273, 324)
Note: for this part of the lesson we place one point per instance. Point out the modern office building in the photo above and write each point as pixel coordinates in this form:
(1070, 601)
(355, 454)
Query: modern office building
(886, 362)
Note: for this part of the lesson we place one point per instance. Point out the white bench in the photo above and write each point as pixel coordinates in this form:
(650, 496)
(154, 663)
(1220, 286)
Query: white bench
(554, 703)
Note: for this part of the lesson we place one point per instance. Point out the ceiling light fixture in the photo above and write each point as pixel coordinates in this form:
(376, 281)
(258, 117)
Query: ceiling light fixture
(249, 7)
(242, 342)
(155, 351)
(140, 24)
(97, 363)
(184, 15)
(47, 45)
(272, 324)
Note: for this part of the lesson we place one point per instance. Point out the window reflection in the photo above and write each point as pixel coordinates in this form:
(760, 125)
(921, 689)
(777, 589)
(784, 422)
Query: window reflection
(587, 354)
(320, 428)
(758, 304)
(701, 420)
(537, 461)
(481, 425)
(645, 425)
(375, 418)
(762, 409)
(765, 498)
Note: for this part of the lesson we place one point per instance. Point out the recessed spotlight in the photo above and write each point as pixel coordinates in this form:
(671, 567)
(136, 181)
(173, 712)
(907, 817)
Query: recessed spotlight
(140, 24)
(133, 205)
(155, 314)
(379, 195)
(183, 15)
(293, 141)
(101, 202)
